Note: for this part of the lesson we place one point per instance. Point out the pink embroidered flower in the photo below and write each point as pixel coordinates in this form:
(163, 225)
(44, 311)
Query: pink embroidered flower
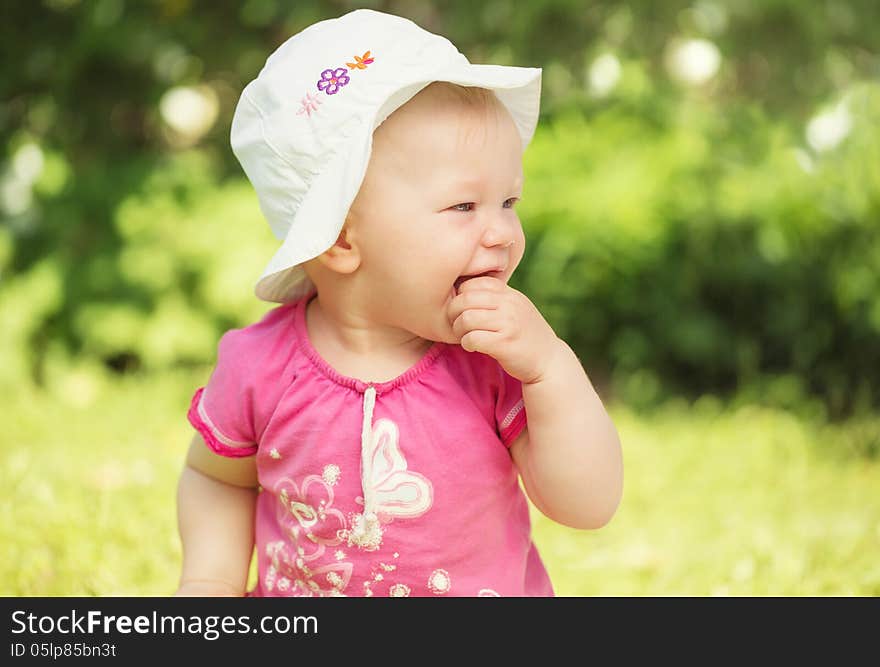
(332, 80)
(309, 104)
(290, 574)
(307, 514)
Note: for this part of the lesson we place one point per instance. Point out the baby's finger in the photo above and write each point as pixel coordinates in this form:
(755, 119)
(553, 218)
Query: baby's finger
(484, 299)
(481, 282)
(482, 341)
(475, 319)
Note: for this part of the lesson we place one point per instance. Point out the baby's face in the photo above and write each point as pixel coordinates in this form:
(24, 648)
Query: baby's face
(438, 203)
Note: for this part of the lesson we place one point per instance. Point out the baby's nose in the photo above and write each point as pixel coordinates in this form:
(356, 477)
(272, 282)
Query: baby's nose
(500, 233)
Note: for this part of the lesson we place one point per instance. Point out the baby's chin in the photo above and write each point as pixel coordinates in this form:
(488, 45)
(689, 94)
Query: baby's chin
(442, 333)
(440, 329)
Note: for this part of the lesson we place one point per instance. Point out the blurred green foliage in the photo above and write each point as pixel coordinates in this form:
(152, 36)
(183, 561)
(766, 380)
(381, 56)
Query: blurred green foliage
(711, 252)
(683, 237)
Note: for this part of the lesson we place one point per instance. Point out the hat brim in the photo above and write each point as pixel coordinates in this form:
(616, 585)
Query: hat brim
(333, 191)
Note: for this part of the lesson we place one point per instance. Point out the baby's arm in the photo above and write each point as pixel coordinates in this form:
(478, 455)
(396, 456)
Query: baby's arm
(216, 499)
(569, 456)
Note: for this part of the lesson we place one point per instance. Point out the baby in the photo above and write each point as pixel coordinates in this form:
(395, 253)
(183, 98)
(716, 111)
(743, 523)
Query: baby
(369, 434)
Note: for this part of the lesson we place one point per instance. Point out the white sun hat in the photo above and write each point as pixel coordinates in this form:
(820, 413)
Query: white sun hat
(303, 129)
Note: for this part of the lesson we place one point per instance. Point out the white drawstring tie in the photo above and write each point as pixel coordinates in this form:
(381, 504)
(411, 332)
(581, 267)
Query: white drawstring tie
(366, 532)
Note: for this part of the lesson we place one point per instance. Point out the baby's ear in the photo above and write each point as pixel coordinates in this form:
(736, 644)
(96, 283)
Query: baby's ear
(342, 241)
(344, 255)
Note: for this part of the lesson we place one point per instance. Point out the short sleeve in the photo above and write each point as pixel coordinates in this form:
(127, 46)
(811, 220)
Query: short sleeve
(510, 411)
(222, 411)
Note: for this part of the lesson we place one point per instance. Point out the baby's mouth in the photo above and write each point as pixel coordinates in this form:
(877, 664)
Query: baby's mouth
(461, 279)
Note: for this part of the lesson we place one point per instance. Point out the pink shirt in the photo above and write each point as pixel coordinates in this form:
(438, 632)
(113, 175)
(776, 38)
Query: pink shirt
(400, 488)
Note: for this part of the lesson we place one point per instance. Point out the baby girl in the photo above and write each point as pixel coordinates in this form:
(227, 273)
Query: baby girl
(370, 432)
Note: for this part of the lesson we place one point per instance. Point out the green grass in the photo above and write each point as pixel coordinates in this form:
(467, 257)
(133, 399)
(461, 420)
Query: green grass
(717, 501)
(745, 501)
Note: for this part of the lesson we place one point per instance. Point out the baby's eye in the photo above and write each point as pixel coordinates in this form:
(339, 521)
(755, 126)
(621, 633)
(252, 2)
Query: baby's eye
(513, 200)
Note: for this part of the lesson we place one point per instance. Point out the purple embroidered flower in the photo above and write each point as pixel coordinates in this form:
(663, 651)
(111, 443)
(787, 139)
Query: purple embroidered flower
(332, 80)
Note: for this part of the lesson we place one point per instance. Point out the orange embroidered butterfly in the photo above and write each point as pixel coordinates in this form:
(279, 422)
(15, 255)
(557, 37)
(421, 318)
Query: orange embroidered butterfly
(362, 61)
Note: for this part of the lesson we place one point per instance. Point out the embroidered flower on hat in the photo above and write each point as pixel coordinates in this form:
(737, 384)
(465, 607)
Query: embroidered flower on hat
(332, 80)
(309, 104)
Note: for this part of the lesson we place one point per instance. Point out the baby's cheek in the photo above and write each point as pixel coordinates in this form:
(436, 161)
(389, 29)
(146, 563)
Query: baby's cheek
(519, 249)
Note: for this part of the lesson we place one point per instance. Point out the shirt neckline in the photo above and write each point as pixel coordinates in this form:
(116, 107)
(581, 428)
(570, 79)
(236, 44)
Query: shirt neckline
(360, 386)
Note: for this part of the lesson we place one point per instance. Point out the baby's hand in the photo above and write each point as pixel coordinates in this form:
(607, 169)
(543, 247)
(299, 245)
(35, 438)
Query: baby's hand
(491, 317)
